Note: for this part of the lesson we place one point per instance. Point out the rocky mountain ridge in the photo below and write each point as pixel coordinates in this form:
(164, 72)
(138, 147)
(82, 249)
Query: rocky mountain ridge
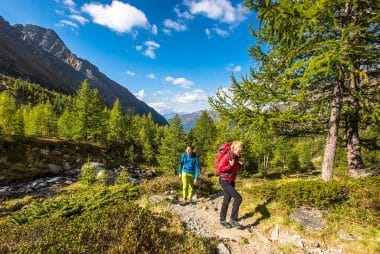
(39, 55)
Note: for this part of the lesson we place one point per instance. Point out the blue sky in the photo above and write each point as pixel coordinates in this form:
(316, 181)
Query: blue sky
(171, 54)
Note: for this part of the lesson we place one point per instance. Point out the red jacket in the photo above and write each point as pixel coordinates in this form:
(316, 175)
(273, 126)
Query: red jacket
(229, 172)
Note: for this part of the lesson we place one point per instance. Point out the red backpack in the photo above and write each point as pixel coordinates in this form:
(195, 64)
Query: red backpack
(223, 149)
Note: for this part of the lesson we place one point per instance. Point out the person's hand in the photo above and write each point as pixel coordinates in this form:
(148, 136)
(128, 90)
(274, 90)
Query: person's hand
(195, 181)
(180, 175)
(241, 163)
(231, 162)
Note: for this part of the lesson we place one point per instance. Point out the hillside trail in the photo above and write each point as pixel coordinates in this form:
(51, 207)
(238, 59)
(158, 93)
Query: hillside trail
(202, 218)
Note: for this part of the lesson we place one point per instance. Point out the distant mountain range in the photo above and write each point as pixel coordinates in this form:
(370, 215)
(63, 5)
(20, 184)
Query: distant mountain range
(38, 55)
(188, 120)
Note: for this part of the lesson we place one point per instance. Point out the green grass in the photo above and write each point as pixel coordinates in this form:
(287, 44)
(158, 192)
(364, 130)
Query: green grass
(94, 219)
(348, 204)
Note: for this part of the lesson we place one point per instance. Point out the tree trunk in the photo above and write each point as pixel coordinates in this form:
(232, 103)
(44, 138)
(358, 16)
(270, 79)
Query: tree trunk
(353, 148)
(332, 137)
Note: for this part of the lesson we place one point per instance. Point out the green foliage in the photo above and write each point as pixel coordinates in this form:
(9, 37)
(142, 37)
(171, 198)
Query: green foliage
(7, 110)
(172, 146)
(265, 191)
(94, 220)
(88, 174)
(147, 137)
(203, 135)
(122, 178)
(355, 200)
(40, 120)
(116, 124)
(315, 193)
(303, 49)
(160, 185)
(65, 124)
(89, 115)
(69, 205)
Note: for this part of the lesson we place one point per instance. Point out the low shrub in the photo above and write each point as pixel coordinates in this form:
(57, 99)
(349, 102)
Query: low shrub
(96, 219)
(314, 193)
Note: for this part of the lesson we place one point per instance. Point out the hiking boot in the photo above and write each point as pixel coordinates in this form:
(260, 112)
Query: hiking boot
(235, 224)
(183, 203)
(225, 224)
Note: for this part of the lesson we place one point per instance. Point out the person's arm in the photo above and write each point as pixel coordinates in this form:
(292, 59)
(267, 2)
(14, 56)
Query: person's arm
(180, 165)
(196, 168)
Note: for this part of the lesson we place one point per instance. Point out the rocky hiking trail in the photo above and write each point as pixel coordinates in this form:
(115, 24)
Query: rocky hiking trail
(202, 218)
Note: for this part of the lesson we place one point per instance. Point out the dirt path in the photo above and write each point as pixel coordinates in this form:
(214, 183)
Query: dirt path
(202, 218)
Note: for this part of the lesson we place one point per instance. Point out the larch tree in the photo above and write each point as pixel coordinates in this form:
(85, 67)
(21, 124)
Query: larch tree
(172, 145)
(204, 134)
(88, 109)
(8, 108)
(116, 124)
(147, 138)
(313, 61)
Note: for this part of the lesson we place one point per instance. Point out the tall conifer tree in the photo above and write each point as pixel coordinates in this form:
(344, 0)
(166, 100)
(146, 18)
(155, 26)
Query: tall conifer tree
(116, 124)
(314, 59)
(88, 108)
(8, 108)
(172, 145)
(204, 133)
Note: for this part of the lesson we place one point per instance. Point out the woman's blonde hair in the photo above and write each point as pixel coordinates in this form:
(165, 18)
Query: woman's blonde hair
(237, 144)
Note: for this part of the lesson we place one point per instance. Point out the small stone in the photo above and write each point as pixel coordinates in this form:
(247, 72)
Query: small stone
(345, 236)
(222, 249)
(66, 166)
(275, 233)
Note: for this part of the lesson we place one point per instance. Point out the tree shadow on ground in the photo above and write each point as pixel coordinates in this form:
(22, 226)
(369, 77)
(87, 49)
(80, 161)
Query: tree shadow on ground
(262, 210)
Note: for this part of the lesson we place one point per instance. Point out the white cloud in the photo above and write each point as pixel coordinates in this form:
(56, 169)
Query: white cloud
(233, 68)
(160, 107)
(152, 44)
(120, 17)
(161, 92)
(184, 15)
(67, 22)
(237, 68)
(140, 94)
(181, 82)
(60, 12)
(154, 29)
(150, 47)
(151, 76)
(176, 26)
(130, 73)
(208, 33)
(221, 10)
(169, 79)
(79, 18)
(221, 32)
(195, 96)
(166, 31)
(68, 3)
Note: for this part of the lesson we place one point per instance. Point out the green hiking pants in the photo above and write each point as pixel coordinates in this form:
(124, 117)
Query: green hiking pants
(187, 186)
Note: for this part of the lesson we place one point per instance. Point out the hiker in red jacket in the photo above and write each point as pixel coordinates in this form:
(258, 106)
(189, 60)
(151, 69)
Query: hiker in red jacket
(230, 163)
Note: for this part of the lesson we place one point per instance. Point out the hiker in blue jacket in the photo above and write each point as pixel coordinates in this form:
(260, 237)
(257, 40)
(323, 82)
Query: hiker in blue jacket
(189, 173)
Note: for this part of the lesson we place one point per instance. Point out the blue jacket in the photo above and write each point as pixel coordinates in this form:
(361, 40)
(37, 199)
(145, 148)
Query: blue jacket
(189, 164)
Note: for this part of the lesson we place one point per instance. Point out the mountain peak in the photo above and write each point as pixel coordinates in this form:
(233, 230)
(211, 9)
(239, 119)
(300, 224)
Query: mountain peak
(39, 55)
